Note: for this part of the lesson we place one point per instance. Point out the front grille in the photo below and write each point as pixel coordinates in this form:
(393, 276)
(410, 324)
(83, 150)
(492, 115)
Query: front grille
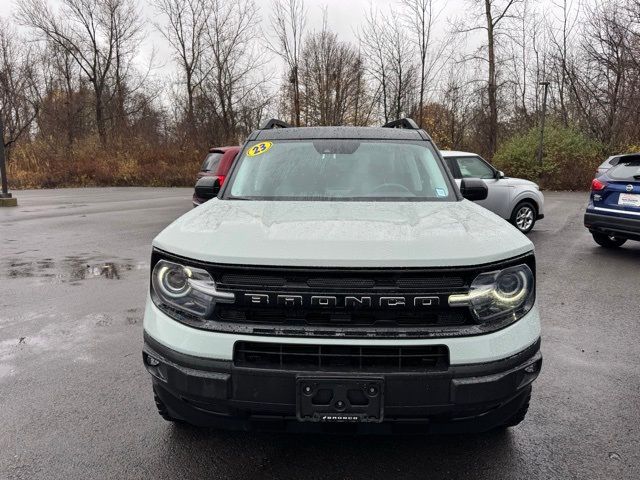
(283, 356)
(287, 301)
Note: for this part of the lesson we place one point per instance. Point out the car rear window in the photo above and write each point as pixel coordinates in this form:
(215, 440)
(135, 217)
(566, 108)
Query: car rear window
(608, 162)
(340, 170)
(626, 170)
(211, 162)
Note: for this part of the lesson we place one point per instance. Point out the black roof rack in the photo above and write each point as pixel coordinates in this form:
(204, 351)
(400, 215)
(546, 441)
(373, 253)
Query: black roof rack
(274, 123)
(402, 123)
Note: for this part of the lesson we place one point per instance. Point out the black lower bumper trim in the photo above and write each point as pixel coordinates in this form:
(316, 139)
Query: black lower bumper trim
(474, 397)
(611, 225)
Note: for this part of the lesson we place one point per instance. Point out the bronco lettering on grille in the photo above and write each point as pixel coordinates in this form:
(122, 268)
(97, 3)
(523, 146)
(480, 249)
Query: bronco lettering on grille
(340, 301)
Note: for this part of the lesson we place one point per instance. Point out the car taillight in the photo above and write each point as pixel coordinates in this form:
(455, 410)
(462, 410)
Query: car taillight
(597, 185)
(221, 178)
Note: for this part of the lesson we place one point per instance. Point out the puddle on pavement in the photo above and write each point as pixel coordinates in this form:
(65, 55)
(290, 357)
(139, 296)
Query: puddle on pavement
(72, 269)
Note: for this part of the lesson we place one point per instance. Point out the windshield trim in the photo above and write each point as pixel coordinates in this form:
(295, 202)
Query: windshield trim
(225, 192)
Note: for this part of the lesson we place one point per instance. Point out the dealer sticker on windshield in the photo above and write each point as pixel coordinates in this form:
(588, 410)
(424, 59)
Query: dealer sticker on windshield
(629, 200)
(259, 149)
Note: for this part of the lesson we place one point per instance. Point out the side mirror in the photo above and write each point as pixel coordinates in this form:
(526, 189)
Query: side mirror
(207, 188)
(473, 189)
(499, 174)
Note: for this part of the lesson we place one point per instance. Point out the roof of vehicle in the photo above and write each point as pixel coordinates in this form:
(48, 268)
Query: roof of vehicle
(365, 133)
(224, 149)
(455, 153)
(622, 155)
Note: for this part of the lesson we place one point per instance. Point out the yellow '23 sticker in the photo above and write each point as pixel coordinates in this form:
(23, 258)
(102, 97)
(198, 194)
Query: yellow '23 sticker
(259, 148)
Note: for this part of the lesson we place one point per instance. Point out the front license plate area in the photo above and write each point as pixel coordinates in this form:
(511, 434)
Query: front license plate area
(339, 399)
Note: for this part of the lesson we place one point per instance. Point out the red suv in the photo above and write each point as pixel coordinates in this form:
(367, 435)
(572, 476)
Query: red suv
(216, 165)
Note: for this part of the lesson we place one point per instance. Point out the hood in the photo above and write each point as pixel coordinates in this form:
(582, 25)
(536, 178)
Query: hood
(342, 234)
(520, 182)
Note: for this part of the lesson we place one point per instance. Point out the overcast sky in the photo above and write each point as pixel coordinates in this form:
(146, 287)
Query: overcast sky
(344, 15)
(344, 18)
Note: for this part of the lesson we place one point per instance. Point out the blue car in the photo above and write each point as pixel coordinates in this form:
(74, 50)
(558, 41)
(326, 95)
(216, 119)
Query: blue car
(613, 213)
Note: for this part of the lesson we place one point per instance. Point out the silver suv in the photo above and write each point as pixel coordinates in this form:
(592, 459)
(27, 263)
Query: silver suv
(517, 200)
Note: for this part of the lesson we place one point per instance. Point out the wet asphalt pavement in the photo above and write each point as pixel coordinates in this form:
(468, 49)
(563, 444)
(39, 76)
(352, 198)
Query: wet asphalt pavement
(75, 399)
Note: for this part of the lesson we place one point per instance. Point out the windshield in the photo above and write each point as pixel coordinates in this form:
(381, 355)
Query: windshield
(340, 170)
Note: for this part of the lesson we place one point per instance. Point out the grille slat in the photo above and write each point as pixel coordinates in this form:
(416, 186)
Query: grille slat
(274, 316)
(430, 283)
(382, 282)
(337, 357)
(341, 283)
(253, 280)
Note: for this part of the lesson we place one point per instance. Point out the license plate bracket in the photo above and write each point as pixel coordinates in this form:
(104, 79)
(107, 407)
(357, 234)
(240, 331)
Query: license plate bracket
(340, 399)
(629, 200)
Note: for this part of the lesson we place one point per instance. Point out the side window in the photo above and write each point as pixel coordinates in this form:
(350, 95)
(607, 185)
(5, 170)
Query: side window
(474, 167)
(450, 162)
(211, 162)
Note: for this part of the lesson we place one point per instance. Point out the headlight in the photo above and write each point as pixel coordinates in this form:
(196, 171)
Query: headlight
(187, 289)
(497, 294)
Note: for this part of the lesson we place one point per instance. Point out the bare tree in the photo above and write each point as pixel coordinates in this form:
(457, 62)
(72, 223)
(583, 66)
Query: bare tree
(88, 31)
(372, 36)
(494, 14)
(561, 40)
(185, 31)
(600, 83)
(128, 34)
(64, 96)
(402, 69)
(331, 80)
(288, 21)
(458, 99)
(230, 37)
(421, 16)
(19, 103)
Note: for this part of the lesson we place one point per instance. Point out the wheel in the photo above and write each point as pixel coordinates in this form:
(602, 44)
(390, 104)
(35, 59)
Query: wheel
(608, 241)
(162, 409)
(524, 216)
(518, 417)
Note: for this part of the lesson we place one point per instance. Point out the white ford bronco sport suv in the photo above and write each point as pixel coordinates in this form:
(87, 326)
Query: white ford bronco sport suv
(341, 281)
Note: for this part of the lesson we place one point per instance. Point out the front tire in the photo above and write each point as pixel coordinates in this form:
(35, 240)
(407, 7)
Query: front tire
(608, 241)
(524, 216)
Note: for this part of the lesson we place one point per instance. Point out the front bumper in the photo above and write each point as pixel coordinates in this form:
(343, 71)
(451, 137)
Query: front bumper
(474, 349)
(625, 227)
(462, 398)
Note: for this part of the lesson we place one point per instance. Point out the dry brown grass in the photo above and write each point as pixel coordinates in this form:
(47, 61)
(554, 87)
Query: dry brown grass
(42, 164)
